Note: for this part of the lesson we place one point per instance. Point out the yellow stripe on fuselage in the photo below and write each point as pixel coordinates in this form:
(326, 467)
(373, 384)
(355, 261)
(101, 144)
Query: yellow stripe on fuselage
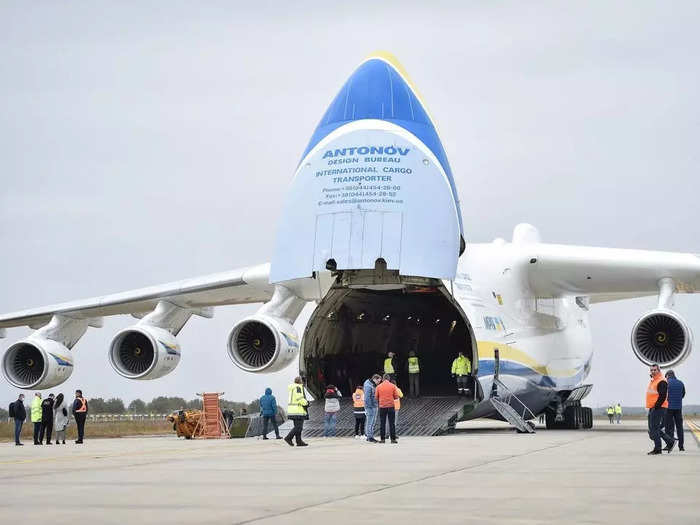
(394, 62)
(510, 353)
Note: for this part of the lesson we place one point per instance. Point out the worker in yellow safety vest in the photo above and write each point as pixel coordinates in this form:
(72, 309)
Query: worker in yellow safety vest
(611, 414)
(618, 413)
(413, 375)
(297, 411)
(461, 371)
(389, 367)
(36, 416)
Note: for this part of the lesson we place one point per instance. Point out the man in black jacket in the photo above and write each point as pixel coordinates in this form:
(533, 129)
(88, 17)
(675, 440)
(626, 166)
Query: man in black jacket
(80, 410)
(19, 413)
(46, 419)
(656, 403)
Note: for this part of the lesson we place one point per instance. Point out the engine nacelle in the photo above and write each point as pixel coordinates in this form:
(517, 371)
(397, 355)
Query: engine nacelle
(37, 363)
(263, 343)
(144, 352)
(662, 337)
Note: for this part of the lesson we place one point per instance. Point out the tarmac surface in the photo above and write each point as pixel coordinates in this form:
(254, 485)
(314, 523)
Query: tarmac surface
(483, 474)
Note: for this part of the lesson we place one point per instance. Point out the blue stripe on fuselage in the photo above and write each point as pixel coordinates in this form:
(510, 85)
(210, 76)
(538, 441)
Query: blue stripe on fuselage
(486, 368)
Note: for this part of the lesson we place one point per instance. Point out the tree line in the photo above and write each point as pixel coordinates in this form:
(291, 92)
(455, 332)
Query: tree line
(158, 405)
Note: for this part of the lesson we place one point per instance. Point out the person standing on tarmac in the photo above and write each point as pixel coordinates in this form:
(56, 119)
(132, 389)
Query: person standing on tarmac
(371, 406)
(413, 375)
(397, 405)
(268, 410)
(331, 409)
(19, 414)
(461, 368)
(657, 402)
(297, 411)
(618, 413)
(80, 411)
(358, 410)
(611, 414)
(62, 417)
(674, 413)
(385, 395)
(36, 417)
(46, 419)
(390, 365)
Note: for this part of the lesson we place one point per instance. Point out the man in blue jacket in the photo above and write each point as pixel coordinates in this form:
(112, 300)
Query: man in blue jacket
(371, 405)
(268, 410)
(674, 413)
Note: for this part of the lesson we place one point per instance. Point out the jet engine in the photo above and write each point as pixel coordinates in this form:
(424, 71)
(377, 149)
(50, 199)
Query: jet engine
(661, 336)
(263, 343)
(37, 363)
(144, 352)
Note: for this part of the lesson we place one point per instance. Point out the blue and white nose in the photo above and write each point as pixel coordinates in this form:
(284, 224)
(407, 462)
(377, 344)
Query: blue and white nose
(374, 182)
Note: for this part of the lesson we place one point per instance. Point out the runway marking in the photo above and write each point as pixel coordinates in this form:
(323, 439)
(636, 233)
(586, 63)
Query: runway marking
(695, 429)
(411, 481)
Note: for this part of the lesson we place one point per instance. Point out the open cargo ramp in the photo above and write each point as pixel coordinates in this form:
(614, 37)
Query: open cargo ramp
(424, 416)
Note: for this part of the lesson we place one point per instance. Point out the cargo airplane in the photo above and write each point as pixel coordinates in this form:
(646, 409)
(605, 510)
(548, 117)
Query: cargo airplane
(371, 232)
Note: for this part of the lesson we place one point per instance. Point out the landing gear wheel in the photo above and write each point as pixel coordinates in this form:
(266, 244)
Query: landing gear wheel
(575, 418)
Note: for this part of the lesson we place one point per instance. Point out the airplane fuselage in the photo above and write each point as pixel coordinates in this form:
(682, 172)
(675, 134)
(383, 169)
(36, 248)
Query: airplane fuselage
(544, 343)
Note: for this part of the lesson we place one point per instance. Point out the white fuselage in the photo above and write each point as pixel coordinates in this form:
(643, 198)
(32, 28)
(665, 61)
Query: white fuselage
(544, 343)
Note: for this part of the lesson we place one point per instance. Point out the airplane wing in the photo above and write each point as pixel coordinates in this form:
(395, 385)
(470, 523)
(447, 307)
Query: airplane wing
(265, 341)
(243, 285)
(608, 274)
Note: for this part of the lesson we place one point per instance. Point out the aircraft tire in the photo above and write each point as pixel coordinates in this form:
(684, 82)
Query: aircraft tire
(571, 418)
(550, 423)
(575, 418)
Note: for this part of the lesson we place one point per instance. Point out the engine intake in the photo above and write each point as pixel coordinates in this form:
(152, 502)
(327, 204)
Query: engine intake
(144, 352)
(37, 363)
(661, 337)
(263, 343)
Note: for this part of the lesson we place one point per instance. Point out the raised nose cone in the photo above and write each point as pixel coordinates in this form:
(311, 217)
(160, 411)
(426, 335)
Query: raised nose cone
(381, 89)
(374, 186)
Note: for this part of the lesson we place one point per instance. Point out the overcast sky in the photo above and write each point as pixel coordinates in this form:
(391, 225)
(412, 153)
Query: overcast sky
(146, 143)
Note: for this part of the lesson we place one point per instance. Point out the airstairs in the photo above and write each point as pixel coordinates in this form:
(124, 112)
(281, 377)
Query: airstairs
(511, 408)
(211, 423)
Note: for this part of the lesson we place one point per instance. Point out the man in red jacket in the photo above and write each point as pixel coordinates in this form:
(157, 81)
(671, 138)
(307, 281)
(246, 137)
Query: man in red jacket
(385, 394)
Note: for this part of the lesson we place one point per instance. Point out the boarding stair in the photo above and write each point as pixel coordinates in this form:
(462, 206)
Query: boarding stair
(511, 408)
(423, 416)
(211, 423)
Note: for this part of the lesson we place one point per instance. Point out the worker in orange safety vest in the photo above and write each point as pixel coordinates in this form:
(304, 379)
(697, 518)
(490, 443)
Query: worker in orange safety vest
(656, 403)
